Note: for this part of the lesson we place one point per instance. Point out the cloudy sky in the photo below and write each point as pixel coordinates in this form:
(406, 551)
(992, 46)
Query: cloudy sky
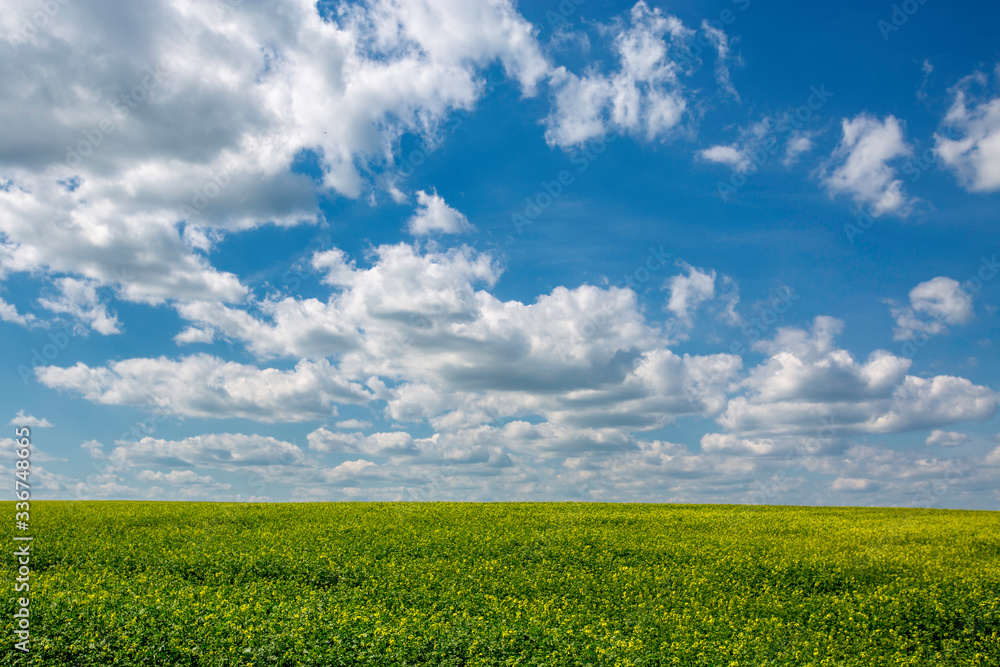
(719, 251)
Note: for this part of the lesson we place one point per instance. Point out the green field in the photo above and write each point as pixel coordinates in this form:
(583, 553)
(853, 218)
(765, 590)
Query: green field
(142, 583)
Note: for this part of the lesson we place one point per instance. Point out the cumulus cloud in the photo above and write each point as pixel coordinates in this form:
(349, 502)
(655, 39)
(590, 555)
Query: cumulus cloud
(687, 292)
(940, 299)
(694, 287)
(545, 461)
(434, 215)
(141, 137)
(353, 424)
(181, 477)
(993, 458)
(946, 438)
(859, 167)
(191, 335)
(420, 331)
(968, 141)
(510, 390)
(206, 386)
(232, 452)
(378, 444)
(166, 154)
(8, 313)
(853, 484)
(798, 144)
(30, 421)
(732, 444)
(81, 301)
(730, 155)
(807, 384)
(644, 97)
(350, 471)
(909, 477)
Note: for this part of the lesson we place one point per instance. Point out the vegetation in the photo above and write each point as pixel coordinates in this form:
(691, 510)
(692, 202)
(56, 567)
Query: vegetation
(142, 583)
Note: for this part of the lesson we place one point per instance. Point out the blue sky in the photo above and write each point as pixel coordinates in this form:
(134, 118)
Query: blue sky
(478, 250)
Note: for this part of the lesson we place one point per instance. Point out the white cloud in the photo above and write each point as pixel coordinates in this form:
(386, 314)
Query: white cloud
(731, 444)
(644, 97)
(417, 329)
(993, 458)
(205, 386)
(378, 444)
(434, 215)
(353, 424)
(537, 461)
(946, 438)
(687, 292)
(350, 470)
(860, 164)
(761, 141)
(534, 398)
(798, 143)
(53, 485)
(22, 419)
(181, 477)
(194, 335)
(402, 292)
(166, 155)
(224, 451)
(969, 139)
(808, 385)
(80, 300)
(729, 155)
(720, 41)
(730, 298)
(941, 299)
(909, 477)
(853, 484)
(8, 313)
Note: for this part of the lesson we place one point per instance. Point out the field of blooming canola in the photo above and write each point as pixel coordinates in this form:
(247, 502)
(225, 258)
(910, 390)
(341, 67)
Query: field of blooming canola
(137, 583)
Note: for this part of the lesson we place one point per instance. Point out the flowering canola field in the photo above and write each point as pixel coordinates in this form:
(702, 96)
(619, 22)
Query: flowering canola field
(142, 583)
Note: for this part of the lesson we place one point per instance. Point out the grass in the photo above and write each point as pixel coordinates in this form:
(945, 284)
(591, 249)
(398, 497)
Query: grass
(143, 583)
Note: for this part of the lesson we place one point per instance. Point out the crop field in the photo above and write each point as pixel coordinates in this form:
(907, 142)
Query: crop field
(143, 583)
